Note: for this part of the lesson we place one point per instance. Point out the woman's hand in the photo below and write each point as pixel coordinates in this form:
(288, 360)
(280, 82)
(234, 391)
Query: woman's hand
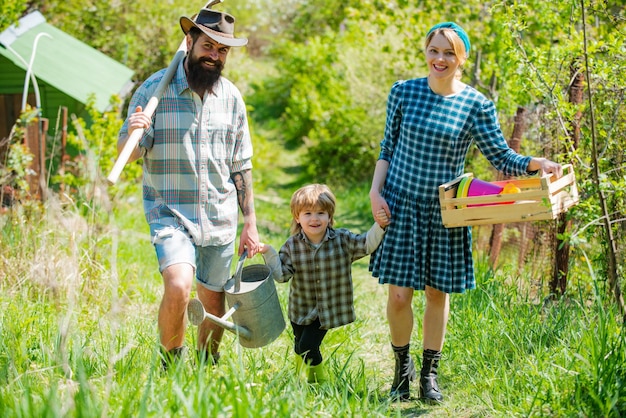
(545, 166)
(380, 209)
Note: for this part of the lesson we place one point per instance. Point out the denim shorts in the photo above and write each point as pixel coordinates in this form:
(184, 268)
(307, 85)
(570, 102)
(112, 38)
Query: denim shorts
(174, 245)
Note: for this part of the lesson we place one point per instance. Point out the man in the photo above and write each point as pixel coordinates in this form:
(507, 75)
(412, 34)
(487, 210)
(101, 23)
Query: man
(194, 146)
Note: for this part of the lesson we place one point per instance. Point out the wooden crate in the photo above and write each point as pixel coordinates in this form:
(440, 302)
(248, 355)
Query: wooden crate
(541, 198)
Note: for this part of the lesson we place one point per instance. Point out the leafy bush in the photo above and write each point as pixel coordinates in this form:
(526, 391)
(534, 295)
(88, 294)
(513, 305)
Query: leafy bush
(311, 99)
(93, 151)
(14, 170)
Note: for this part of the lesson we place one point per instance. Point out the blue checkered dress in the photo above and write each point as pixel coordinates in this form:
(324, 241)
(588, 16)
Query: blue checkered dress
(427, 137)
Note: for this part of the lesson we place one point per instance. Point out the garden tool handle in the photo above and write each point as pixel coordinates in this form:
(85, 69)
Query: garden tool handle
(149, 109)
(239, 270)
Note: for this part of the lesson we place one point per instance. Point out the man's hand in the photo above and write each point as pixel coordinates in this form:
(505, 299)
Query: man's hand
(138, 120)
(249, 240)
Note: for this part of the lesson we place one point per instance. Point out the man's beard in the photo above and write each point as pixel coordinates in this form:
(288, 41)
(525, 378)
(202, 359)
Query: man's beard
(202, 79)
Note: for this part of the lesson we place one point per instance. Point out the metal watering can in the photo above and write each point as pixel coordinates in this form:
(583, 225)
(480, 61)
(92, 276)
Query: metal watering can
(253, 301)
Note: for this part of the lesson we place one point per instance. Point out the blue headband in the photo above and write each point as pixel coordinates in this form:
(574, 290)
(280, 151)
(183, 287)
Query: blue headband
(456, 28)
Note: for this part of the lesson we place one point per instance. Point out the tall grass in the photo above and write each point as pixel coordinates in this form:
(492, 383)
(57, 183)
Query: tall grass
(79, 294)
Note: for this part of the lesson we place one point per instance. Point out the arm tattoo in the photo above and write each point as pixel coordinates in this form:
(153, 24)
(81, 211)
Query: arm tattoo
(243, 184)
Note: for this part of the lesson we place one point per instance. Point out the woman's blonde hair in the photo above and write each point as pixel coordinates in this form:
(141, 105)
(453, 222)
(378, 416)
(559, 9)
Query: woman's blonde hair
(455, 40)
(313, 196)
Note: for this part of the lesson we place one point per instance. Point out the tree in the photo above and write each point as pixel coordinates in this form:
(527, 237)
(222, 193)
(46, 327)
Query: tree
(11, 11)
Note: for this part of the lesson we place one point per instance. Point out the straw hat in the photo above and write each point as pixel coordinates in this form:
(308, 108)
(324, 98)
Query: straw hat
(219, 26)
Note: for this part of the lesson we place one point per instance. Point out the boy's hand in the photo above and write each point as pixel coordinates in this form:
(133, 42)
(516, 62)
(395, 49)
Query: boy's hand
(263, 248)
(382, 218)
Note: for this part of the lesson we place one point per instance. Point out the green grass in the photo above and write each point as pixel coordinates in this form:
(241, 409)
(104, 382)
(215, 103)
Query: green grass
(79, 294)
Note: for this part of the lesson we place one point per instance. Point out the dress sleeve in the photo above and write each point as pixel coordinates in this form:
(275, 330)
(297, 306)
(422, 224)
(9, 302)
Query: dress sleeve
(493, 145)
(392, 124)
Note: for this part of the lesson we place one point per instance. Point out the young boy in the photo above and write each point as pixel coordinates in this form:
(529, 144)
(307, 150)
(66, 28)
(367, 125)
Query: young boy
(318, 258)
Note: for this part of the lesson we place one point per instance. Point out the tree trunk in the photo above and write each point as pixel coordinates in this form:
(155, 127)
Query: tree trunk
(606, 215)
(558, 284)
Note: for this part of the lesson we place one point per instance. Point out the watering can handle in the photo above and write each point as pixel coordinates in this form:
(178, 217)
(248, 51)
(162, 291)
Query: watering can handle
(239, 270)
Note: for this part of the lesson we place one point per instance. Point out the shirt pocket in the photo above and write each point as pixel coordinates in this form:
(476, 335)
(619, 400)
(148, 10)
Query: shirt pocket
(221, 139)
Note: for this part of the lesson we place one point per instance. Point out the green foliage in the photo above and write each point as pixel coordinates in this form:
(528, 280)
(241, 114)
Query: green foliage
(10, 12)
(310, 20)
(17, 167)
(93, 151)
(516, 369)
(79, 338)
(15, 170)
(311, 99)
(533, 65)
(598, 386)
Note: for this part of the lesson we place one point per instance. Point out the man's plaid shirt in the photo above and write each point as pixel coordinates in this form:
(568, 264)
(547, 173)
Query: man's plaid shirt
(190, 151)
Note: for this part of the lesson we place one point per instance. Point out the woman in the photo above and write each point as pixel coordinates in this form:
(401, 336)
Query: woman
(431, 122)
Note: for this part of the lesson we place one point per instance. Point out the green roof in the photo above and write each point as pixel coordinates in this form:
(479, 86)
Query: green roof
(64, 62)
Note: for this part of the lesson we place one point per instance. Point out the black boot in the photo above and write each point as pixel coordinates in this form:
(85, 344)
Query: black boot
(404, 373)
(170, 357)
(429, 389)
(204, 357)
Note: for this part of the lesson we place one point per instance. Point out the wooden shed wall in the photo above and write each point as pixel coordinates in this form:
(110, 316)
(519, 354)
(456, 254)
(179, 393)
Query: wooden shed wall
(11, 90)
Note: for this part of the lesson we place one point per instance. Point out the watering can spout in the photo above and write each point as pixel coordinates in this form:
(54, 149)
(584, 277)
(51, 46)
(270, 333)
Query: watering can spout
(254, 306)
(197, 314)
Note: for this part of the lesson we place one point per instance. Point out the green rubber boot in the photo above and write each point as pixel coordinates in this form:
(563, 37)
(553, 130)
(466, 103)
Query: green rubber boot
(316, 374)
(299, 362)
